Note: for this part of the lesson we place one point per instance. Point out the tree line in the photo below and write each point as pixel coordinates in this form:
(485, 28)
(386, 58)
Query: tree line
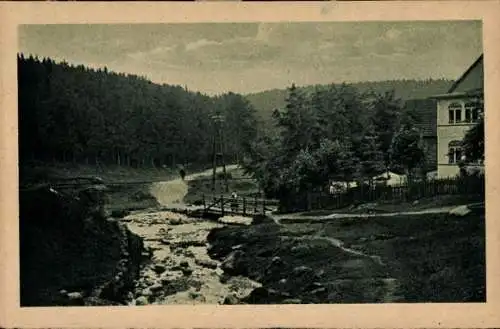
(74, 113)
(403, 89)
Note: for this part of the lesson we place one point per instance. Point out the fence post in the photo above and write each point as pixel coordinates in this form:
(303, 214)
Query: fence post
(244, 206)
(222, 204)
(204, 203)
(263, 206)
(255, 205)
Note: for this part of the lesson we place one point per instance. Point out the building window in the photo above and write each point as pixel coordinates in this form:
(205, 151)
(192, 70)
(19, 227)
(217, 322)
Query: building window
(455, 113)
(451, 115)
(473, 111)
(454, 152)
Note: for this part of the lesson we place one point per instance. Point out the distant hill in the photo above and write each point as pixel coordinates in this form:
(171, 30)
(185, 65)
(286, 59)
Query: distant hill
(266, 101)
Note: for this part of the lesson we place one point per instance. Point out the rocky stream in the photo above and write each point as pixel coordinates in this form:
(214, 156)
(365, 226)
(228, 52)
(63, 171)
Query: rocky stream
(179, 270)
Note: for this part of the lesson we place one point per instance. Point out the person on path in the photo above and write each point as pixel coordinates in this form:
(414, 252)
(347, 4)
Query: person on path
(182, 172)
(234, 203)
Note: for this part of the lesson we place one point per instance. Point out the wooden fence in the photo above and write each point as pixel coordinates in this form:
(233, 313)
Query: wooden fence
(321, 199)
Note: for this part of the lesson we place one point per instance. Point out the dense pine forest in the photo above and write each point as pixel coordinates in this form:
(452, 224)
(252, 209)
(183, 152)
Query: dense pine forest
(75, 114)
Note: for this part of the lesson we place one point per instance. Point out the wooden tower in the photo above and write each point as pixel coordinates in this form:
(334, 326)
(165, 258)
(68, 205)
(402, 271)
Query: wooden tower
(218, 151)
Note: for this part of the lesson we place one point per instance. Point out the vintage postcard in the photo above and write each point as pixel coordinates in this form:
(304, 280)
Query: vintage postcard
(250, 165)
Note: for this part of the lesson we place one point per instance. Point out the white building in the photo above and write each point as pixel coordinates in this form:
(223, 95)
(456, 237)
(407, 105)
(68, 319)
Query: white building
(457, 111)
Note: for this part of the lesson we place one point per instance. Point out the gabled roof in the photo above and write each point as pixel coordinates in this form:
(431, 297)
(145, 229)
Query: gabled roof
(474, 65)
(470, 93)
(425, 110)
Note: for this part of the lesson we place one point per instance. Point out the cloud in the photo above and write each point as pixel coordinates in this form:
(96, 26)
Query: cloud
(152, 53)
(200, 44)
(392, 34)
(264, 32)
(253, 56)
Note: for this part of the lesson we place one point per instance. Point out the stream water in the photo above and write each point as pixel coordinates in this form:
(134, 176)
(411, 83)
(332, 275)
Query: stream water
(180, 271)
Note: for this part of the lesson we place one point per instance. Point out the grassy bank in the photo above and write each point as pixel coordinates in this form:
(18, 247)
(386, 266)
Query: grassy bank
(431, 258)
(120, 197)
(398, 206)
(36, 171)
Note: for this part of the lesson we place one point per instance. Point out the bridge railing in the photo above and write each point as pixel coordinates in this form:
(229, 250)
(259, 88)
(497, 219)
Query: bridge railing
(240, 205)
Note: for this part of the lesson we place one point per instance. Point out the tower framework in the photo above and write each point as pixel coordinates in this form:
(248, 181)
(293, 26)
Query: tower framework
(218, 145)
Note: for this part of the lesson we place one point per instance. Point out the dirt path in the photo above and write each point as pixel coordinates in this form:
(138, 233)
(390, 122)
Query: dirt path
(171, 193)
(283, 219)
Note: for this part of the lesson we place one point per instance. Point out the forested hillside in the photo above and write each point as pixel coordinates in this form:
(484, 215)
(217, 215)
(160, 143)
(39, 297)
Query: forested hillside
(265, 102)
(73, 113)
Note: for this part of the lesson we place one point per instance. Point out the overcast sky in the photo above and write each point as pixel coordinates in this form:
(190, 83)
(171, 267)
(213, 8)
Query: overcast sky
(215, 58)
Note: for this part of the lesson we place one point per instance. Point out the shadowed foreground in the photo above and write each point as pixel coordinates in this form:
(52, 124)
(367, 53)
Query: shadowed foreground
(426, 258)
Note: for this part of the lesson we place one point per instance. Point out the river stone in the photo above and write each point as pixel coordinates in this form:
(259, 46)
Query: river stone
(75, 295)
(175, 221)
(146, 292)
(170, 276)
(319, 291)
(141, 301)
(156, 287)
(194, 294)
(210, 263)
(277, 260)
(231, 300)
(159, 268)
(187, 271)
(148, 281)
(188, 253)
(262, 295)
(230, 262)
(224, 278)
(302, 270)
(292, 301)
(75, 299)
(315, 285)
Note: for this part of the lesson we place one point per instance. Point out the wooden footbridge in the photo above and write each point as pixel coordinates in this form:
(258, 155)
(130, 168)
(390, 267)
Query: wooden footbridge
(244, 206)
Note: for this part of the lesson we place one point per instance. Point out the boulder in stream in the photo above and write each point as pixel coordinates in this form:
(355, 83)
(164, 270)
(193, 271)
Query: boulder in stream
(231, 263)
(231, 300)
(141, 301)
(209, 263)
(159, 268)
